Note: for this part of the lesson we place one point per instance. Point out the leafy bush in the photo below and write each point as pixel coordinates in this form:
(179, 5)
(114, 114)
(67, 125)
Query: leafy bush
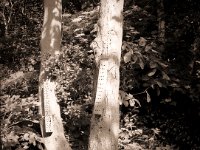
(20, 125)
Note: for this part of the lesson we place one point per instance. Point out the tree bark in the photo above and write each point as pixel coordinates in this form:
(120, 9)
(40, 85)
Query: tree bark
(161, 24)
(107, 46)
(51, 122)
(6, 18)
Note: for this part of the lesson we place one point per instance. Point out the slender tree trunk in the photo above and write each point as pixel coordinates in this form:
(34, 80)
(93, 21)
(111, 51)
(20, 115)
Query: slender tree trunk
(161, 24)
(194, 65)
(107, 45)
(51, 122)
(7, 18)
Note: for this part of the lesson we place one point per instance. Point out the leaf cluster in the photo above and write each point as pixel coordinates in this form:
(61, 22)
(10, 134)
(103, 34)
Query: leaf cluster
(20, 125)
(147, 68)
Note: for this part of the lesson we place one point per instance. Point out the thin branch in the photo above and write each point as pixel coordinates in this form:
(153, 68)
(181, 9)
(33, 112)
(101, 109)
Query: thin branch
(141, 92)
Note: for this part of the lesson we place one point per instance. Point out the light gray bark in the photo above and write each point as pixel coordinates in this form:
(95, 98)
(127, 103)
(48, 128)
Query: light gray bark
(50, 43)
(107, 45)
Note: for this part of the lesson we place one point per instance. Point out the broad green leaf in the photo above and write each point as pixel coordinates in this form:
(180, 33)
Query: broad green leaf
(162, 64)
(32, 139)
(120, 100)
(132, 102)
(122, 97)
(167, 100)
(141, 64)
(152, 72)
(153, 64)
(134, 59)
(145, 78)
(159, 83)
(122, 94)
(127, 56)
(128, 97)
(124, 45)
(142, 42)
(165, 76)
(125, 103)
(148, 97)
(174, 85)
(158, 91)
(147, 48)
(26, 136)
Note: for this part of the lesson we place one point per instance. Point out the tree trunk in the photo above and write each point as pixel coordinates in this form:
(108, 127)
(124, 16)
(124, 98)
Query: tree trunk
(51, 122)
(6, 18)
(107, 45)
(161, 24)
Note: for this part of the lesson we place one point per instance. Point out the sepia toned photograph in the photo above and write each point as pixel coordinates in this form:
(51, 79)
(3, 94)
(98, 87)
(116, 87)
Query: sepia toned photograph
(99, 75)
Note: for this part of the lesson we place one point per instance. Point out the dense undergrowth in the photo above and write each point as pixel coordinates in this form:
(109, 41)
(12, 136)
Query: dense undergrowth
(159, 93)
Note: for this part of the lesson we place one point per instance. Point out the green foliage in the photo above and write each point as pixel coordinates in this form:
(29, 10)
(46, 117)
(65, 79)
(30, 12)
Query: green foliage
(128, 99)
(159, 92)
(20, 124)
(148, 68)
(21, 44)
(73, 6)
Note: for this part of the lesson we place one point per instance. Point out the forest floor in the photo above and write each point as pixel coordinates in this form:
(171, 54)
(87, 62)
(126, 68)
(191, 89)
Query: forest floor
(141, 128)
